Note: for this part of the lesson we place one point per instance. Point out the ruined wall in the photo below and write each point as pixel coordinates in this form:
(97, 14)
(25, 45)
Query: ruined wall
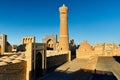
(106, 49)
(56, 60)
(16, 71)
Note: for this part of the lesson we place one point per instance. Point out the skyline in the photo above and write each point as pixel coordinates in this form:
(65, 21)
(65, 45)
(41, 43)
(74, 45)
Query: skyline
(96, 21)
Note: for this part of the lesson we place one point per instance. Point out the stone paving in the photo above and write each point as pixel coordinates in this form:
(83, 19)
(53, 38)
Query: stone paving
(11, 59)
(68, 71)
(75, 70)
(116, 70)
(109, 64)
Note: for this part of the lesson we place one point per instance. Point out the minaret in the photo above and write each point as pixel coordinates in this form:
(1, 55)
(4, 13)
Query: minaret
(64, 38)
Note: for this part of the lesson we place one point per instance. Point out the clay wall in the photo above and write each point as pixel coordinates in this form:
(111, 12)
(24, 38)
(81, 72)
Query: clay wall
(16, 71)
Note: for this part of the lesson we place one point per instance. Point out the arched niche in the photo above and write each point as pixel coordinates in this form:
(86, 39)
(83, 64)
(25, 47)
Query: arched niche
(50, 44)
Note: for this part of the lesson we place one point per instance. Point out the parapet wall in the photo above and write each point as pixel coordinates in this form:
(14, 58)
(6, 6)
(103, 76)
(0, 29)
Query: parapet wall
(16, 71)
(56, 60)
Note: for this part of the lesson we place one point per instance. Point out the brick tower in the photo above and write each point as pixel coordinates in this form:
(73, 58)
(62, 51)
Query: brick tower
(64, 38)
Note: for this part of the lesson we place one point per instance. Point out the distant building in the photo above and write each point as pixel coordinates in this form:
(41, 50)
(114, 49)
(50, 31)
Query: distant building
(4, 44)
(51, 41)
(14, 48)
(86, 50)
(85, 47)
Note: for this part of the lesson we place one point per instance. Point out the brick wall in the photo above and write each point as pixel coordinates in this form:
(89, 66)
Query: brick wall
(56, 60)
(15, 71)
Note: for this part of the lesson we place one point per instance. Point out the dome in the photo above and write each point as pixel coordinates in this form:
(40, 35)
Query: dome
(4, 57)
(3, 63)
(16, 61)
(1, 59)
(7, 60)
(15, 55)
(12, 57)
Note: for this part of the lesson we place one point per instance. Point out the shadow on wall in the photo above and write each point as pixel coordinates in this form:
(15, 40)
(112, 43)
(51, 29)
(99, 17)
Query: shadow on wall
(78, 75)
(22, 47)
(9, 47)
(55, 61)
(38, 67)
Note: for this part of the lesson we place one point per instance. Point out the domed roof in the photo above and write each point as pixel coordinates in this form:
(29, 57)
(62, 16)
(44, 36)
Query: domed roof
(15, 55)
(1, 59)
(20, 57)
(12, 57)
(16, 61)
(4, 57)
(7, 60)
(3, 63)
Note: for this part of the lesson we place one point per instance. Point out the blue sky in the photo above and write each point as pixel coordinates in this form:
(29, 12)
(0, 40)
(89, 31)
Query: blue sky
(97, 21)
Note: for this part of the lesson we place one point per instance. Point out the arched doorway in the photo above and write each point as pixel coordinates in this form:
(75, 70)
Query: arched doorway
(50, 45)
(38, 67)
